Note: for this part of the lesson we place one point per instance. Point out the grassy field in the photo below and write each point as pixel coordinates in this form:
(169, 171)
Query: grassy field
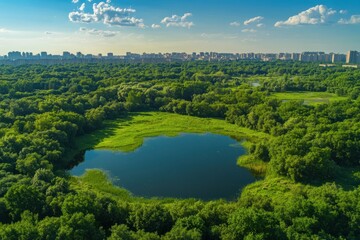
(310, 98)
(129, 133)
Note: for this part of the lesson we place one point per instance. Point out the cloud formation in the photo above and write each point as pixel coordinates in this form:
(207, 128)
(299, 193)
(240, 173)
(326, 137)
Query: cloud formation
(4, 30)
(248, 30)
(315, 15)
(253, 20)
(155, 26)
(343, 11)
(235, 24)
(98, 32)
(177, 21)
(106, 13)
(75, 1)
(354, 19)
(82, 7)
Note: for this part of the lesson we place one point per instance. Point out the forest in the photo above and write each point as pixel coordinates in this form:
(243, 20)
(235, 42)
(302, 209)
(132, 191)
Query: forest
(310, 186)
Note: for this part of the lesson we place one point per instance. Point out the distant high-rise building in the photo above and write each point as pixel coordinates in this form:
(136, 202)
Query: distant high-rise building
(79, 55)
(251, 55)
(14, 55)
(338, 58)
(352, 57)
(295, 56)
(43, 55)
(66, 55)
(313, 57)
(304, 57)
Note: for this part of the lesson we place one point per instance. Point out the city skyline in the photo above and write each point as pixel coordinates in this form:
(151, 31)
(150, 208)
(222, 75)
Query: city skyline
(352, 57)
(95, 26)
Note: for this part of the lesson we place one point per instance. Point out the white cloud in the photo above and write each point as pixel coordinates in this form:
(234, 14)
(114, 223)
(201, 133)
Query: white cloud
(248, 30)
(315, 15)
(155, 26)
(4, 30)
(82, 7)
(235, 24)
(331, 12)
(98, 32)
(81, 17)
(260, 25)
(106, 13)
(177, 21)
(354, 19)
(75, 1)
(343, 11)
(253, 20)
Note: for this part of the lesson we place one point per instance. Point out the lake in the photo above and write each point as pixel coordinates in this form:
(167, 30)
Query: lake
(186, 166)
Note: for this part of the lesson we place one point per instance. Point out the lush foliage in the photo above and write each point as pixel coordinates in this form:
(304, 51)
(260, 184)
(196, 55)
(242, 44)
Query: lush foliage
(309, 192)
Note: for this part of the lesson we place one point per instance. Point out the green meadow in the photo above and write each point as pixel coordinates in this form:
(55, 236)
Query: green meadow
(128, 134)
(310, 98)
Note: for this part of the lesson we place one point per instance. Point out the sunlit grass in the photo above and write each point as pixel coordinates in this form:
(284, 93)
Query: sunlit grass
(310, 98)
(129, 134)
(257, 167)
(97, 181)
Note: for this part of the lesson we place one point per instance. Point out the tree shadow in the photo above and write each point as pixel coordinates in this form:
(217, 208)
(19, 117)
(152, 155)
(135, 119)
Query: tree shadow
(88, 141)
(348, 178)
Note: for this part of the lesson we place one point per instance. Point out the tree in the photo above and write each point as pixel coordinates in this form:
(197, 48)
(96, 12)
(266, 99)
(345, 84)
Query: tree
(24, 229)
(31, 163)
(150, 218)
(20, 198)
(48, 228)
(244, 223)
(79, 226)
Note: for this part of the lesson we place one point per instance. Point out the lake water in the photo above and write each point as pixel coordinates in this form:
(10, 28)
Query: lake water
(187, 166)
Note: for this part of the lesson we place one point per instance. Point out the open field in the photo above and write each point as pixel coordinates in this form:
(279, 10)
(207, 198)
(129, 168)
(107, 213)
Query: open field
(310, 98)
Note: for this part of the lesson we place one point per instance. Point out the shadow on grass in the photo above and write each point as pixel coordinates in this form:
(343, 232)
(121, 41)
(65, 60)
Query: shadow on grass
(345, 177)
(88, 141)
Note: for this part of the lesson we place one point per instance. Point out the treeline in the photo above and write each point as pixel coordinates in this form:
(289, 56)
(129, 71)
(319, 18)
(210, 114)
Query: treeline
(44, 109)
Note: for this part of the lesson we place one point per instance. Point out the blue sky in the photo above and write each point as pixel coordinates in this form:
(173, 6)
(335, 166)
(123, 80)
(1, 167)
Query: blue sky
(101, 26)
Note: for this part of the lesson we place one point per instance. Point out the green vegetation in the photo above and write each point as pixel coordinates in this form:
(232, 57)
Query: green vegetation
(310, 98)
(128, 134)
(99, 181)
(309, 153)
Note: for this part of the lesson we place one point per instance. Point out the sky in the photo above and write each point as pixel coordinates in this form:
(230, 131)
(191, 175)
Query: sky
(152, 26)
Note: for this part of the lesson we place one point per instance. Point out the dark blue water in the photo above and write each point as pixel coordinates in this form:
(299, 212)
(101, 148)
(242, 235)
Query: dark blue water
(187, 166)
